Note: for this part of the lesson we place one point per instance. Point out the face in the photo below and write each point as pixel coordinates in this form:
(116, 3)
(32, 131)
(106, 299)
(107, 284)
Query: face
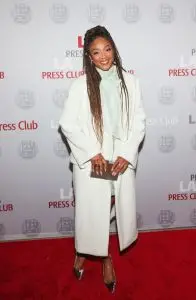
(102, 53)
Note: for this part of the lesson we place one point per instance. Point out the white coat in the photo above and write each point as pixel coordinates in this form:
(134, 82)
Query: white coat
(92, 195)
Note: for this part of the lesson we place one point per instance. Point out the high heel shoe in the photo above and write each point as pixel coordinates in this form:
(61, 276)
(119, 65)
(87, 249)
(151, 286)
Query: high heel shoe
(78, 272)
(111, 285)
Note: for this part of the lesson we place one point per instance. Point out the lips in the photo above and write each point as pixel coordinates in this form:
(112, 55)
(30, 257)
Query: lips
(105, 62)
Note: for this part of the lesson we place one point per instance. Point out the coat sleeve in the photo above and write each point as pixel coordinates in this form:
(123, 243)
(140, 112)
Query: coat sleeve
(83, 147)
(129, 148)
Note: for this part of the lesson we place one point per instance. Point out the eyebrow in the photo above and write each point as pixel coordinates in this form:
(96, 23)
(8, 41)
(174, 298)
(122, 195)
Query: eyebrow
(98, 48)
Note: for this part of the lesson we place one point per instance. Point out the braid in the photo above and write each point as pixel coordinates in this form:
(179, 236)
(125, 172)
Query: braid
(93, 79)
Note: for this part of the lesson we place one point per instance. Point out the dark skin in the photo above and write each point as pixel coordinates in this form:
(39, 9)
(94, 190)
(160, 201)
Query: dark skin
(102, 55)
(99, 165)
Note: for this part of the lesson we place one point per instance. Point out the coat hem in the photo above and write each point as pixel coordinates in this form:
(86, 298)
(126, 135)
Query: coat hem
(129, 244)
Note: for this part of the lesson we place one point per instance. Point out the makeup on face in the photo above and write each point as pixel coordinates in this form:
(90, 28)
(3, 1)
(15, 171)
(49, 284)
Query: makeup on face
(102, 53)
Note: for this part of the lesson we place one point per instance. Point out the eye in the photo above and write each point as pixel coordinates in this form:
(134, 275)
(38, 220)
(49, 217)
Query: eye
(95, 53)
(108, 49)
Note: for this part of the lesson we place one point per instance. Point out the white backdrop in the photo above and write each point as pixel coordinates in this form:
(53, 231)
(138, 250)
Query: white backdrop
(40, 54)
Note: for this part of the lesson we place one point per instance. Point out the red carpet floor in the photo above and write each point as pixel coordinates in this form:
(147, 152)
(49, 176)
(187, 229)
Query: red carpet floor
(160, 266)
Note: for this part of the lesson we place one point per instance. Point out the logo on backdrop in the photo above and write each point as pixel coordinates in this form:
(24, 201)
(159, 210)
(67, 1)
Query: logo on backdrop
(166, 95)
(194, 13)
(193, 142)
(96, 13)
(64, 202)
(25, 99)
(58, 13)
(166, 218)
(2, 75)
(182, 72)
(60, 148)
(187, 190)
(192, 119)
(61, 74)
(166, 13)
(194, 93)
(21, 13)
(162, 121)
(2, 231)
(139, 220)
(193, 216)
(23, 125)
(6, 207)
(166, 143)
(59, 97)
(65, 226)
(28, 149)
(73, 53)
(131, 13)
(31, 227)
(193, 177)
(193, 51)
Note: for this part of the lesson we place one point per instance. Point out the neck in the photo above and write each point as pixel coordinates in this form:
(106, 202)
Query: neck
(105, 74)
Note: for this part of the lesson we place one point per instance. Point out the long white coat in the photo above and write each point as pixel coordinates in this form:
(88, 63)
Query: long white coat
(93, 196)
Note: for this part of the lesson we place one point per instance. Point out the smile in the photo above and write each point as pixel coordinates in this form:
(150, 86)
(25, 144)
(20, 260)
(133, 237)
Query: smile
(105, 62)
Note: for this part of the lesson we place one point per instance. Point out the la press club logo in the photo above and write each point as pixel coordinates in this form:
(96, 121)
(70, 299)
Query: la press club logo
(31, 227)
(192, 119)
(6, 207)
(21, 13)
(28, 149)
(64, 69)
(2, 75)
(22, 125)
(187, 190)
(182, 72)
(185, 69)
(64, 200)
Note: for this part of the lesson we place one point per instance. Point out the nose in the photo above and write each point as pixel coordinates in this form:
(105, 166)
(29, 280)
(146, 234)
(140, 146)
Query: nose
(102, 55)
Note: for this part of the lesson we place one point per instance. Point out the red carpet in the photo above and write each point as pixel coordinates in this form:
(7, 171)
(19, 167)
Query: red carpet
(161, 266)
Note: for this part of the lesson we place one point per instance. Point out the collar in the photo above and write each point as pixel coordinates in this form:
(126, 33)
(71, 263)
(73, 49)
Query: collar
(111, 73)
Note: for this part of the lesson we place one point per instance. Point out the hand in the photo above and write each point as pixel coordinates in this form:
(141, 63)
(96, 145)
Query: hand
(119, 166)
(99, 164)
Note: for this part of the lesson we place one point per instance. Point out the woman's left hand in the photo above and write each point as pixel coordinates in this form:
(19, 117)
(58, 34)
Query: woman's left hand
(119, 166)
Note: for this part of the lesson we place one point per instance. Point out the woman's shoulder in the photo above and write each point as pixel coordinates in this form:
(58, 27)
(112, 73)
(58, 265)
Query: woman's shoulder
(130, 77)
(131, 80)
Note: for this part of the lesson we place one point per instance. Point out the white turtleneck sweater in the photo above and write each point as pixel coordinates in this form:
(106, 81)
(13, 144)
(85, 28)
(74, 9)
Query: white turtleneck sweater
(110, 97)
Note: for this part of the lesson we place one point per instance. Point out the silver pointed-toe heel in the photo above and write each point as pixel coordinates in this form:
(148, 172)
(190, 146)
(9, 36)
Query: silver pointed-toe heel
(111, 285)
(77, 272)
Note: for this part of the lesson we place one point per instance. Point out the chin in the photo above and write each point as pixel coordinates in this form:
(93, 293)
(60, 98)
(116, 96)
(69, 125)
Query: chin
(106, 67)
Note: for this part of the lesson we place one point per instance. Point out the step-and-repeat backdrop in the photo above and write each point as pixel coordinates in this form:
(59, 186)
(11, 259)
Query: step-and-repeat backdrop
(41, 46)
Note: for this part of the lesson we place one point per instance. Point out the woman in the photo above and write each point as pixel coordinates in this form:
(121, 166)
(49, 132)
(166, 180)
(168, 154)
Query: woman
(103, 120)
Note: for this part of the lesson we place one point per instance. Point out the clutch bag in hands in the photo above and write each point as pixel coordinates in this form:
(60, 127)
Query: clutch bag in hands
(107, 175)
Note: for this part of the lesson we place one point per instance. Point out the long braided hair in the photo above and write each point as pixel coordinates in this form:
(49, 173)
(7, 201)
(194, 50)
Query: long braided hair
(93, 79)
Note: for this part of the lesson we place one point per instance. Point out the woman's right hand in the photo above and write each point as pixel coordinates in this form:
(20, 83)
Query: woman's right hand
(99, 164)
